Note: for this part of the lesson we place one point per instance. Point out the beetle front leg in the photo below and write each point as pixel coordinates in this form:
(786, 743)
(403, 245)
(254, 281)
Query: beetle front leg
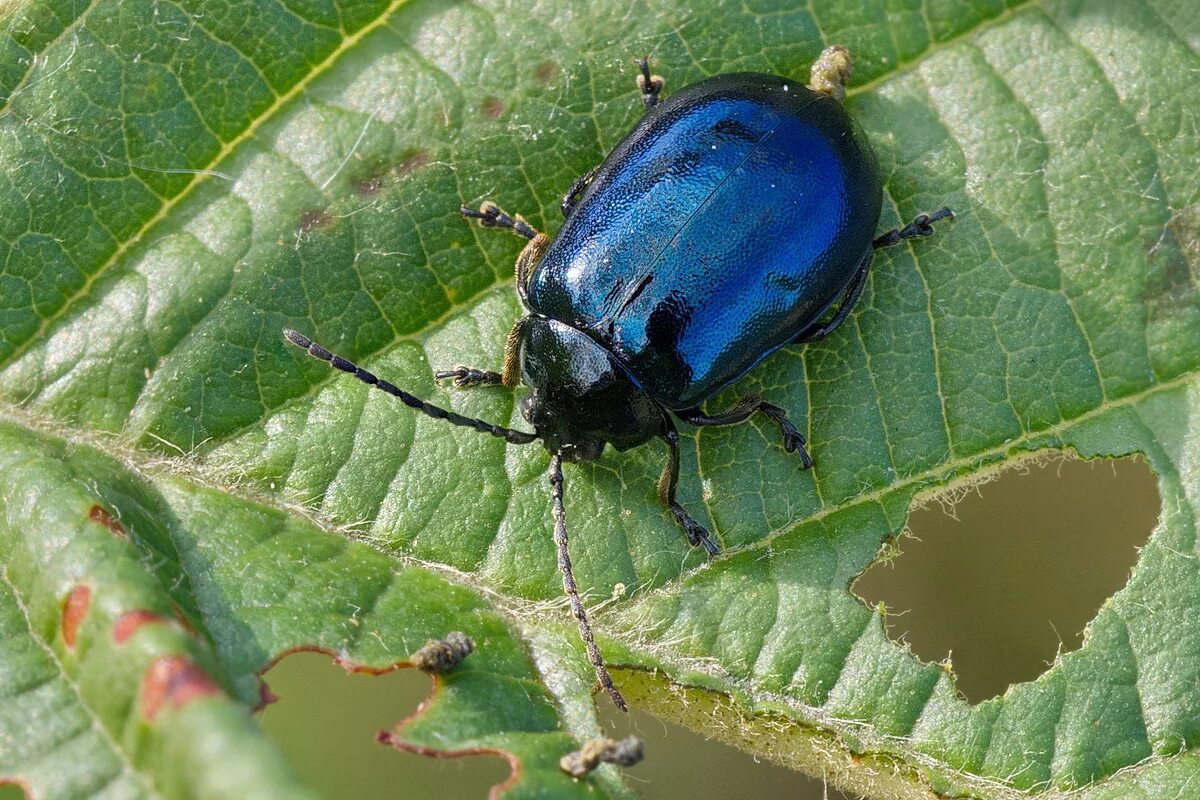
(465, 377)
(667, 484)
(490, 215)
(742, 410)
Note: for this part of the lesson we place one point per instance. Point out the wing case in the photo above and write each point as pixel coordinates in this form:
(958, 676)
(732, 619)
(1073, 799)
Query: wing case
(730, 218)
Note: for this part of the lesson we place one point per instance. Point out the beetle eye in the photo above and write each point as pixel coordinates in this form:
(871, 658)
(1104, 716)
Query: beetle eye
(528, 403)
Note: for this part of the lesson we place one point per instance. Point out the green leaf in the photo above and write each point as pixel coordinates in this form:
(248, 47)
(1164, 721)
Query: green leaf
(179, 181)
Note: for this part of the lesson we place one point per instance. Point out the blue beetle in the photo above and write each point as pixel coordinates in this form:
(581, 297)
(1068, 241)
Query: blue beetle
(737, 217)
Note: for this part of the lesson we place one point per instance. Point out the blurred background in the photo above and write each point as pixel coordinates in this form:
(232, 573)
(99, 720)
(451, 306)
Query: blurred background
(1000, 582)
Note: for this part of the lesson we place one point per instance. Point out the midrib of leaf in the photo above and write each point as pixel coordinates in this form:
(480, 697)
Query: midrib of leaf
(944, 478)
(201, 173)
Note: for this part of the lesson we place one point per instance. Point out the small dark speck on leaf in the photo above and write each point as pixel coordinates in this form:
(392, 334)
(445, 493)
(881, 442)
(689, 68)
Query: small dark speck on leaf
(311, 220)
(413, 162)
(369, 186)
(442, 655)
(545, 71)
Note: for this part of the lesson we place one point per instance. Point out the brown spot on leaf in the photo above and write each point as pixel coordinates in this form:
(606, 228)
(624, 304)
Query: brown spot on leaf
(173, 682)
(368, 187)
(75, 608)
(494, 107)
(545, 71)
(132, 621)
(315, 219)
(413, 162)
(101, 515)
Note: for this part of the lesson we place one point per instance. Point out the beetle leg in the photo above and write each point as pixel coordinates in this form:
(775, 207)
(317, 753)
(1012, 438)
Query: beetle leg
(650, 86)
(696, 533)
(469, 376)
(819, 330)
(577, 186)
(466, 377)
(921, 226)
(530, 256)
(742, 410)
(491, 215)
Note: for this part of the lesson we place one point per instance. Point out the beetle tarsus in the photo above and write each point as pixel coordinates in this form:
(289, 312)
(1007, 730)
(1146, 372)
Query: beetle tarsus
(650, 86)
(793, 441)
(921, 226)
(742, 410)
(697, 534)
(491, 215)
(465, 377)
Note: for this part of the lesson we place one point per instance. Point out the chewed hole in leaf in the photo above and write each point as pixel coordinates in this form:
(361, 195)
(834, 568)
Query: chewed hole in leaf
(12, 791)
(1003, 578)
(684, 763)
(325, 720)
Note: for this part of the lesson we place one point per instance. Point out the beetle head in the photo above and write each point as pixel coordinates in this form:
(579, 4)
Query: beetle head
(581, 398)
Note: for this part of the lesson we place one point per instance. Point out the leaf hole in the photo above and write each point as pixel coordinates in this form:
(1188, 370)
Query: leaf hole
(683, 762)
(14, 789)
(325, 718)
(1003, 576)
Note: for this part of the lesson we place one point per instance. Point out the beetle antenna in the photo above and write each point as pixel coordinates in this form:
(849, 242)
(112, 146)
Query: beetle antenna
(317, 351)
(564, 566)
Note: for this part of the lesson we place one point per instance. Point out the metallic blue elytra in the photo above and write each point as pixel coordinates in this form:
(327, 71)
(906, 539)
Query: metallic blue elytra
(735, 218)
(726, 223)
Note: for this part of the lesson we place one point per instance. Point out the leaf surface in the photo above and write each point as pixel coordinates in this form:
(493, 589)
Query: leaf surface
(179, 181)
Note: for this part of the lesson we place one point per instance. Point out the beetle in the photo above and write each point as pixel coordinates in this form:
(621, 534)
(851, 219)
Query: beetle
(737, 217)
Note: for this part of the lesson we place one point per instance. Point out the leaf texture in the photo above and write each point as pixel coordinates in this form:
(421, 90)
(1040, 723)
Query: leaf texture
(180, 180)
